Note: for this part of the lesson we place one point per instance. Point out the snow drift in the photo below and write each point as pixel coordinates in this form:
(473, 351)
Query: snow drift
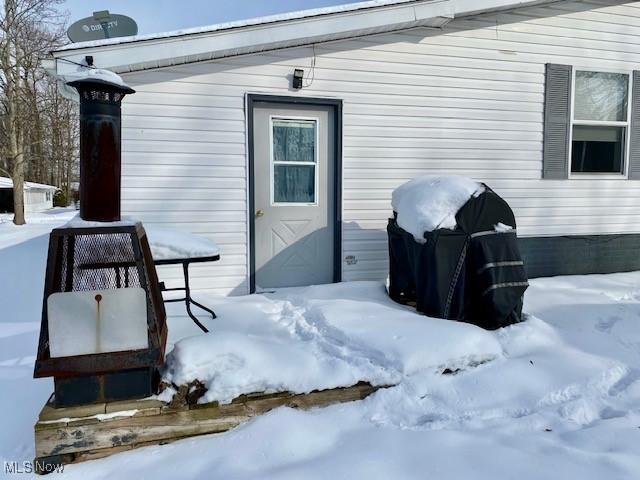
(322, 337)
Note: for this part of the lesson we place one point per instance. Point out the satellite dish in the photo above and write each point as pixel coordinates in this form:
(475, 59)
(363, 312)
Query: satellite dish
(100, 26)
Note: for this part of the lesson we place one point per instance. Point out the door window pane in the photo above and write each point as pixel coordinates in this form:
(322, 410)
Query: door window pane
(597, 149)
(294, 140)
(294, 184)
(601, 96)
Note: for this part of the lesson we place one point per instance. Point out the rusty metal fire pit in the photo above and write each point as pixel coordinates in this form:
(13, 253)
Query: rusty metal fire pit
(103, 332)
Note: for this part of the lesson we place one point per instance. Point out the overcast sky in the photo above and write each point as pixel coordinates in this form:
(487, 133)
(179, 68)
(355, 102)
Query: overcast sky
(162, 15)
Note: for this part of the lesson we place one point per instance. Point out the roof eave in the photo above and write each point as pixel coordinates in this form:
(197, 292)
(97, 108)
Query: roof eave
(197, 47)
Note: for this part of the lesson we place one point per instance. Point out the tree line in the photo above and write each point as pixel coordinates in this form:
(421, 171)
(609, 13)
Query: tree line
(38, 126)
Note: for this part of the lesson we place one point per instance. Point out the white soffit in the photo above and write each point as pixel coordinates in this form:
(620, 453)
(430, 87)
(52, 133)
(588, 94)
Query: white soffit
(129, 54)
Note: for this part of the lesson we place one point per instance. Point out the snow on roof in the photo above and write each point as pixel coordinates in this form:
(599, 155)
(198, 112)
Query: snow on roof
(299, 14)
(6, 182)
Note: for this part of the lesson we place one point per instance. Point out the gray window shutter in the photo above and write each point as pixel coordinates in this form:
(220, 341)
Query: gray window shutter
(634, 131)
(557, 111)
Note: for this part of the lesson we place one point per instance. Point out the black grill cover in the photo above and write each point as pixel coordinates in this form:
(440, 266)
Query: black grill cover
(473, 274)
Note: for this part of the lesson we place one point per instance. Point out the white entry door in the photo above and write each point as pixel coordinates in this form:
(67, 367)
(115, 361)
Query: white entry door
(294, 194)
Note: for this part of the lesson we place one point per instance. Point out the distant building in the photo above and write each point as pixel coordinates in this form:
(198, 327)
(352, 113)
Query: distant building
(37, 196)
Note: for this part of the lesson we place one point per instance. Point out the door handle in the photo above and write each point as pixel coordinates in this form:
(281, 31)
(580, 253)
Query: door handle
(259, 213)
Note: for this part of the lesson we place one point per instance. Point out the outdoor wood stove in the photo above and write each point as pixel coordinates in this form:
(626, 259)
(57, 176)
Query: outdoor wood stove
(103, 331)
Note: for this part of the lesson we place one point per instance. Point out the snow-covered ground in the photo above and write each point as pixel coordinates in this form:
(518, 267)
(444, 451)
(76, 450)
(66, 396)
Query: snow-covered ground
(557, 396)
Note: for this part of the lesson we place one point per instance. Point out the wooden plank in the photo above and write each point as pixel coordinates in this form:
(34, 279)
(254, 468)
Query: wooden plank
(140, 405)
(51, 413)
(52, 417)
(79, 441)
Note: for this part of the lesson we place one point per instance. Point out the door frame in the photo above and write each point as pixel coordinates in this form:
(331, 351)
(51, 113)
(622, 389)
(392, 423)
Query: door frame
(336, 104)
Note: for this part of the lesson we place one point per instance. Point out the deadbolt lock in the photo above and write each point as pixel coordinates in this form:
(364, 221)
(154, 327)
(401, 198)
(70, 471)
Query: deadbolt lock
(259, 213)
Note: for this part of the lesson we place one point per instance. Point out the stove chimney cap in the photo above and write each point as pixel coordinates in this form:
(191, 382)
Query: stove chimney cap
(92, 78)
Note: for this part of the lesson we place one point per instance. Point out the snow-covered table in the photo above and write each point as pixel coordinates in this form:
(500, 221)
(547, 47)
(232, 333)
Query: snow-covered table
(175, 247)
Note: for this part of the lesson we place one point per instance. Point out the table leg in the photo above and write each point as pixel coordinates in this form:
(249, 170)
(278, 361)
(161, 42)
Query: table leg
(187, 297)
(213, 314)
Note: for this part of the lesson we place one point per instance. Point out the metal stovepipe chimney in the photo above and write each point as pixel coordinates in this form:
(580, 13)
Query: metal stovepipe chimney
(100, 114)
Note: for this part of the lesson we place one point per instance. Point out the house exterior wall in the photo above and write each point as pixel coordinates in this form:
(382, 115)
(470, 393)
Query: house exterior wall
(35, 200)
(467, 100)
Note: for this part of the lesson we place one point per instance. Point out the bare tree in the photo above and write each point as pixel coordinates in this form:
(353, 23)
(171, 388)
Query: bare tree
(55, 158)
(28, 30)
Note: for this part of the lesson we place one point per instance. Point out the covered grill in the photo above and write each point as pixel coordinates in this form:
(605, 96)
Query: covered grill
(473, 272)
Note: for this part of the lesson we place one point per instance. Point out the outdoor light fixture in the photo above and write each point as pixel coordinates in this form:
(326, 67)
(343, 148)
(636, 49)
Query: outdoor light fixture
(103, 330)
(298, 74)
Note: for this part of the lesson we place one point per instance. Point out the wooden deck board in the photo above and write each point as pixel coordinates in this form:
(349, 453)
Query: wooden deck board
(78, 438)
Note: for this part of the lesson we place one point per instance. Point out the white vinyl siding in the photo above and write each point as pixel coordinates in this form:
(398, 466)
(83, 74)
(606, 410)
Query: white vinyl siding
(467, 100)
(35, 200)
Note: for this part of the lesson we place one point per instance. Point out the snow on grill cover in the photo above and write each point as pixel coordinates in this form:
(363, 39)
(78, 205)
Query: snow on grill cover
(471, 271)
